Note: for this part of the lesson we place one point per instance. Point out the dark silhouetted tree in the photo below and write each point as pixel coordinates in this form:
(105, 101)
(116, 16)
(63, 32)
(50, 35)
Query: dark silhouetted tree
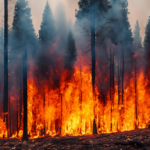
(47, 31)
(137, 37)
(147, 48)
(89, 12)
(71, 52)
(23, 41)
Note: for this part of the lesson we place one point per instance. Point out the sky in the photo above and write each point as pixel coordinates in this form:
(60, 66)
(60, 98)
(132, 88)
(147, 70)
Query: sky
(139, 9)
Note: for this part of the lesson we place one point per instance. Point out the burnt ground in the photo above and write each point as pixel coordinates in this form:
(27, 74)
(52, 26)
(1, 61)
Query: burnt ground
(134, 140)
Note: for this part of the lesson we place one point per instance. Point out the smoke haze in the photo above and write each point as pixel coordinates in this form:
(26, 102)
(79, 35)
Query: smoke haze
(139, 9)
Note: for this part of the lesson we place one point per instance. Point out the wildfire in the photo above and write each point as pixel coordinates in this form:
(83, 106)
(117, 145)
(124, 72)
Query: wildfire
(69, 109)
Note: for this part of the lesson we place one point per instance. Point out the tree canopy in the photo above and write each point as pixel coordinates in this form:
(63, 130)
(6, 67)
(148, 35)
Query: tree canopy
(47, 31)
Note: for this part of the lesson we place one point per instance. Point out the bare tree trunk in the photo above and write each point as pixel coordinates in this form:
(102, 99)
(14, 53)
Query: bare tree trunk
(61, 112)
(122, 76)
(110, 90)
(135, 100)
(6, 63)
(118, 87)
(17, 116)
(122, 108)
(80, 100)
(44, 113)
(25, 129)
(93, 58)
(9, 118)
(20, 102)
(118, 83)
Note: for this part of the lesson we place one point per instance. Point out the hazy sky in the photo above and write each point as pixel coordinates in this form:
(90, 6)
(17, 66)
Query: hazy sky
(139, 9)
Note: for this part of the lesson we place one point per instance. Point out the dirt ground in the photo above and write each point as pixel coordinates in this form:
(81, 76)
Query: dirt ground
(134, 140)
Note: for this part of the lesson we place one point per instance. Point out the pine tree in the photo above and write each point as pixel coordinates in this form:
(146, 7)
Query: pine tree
(23, 40)
(137, 38)
(47, 31)
(89, 15)
(1, 50)
(71, 52)
(147, 38)
(92, 11)
(23, 33)
(147, 48)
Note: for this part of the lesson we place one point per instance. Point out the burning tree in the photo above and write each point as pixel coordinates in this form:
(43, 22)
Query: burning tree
(23, 42)
(147, 49)
(110, 89)
(89, 10)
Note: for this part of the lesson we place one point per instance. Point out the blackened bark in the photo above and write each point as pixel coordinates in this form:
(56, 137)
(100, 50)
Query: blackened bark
(80, 100)
(93, 57)
(6, 57)
(111, 89)
(61, 112)
(135, 100)
(122, 75)
(17, 117)
(20, 102)
(25, 136)
(6, 63)
(93, 42)
(44, 113)
(9, 119)
(118, 83)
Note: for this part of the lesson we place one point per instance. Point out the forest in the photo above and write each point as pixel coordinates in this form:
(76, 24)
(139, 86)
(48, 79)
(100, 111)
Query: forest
(71, 79)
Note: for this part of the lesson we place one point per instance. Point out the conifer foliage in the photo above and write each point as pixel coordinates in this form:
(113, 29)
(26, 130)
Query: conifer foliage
(47, 31)
(71, 52)
(147, 37)
(147, 47)
(22, 27)
(137, 37)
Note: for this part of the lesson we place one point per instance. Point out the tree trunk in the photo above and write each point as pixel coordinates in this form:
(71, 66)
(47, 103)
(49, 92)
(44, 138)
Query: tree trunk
(6, 63)
(122, 108)
(80, 101)
(44, 114)
(122, 76)
(118, 88)
(61, 113)
(25, 136)
(93, 57)
(135, 99)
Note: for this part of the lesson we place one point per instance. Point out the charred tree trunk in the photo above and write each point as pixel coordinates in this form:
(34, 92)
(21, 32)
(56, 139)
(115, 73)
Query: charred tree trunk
(122, 108)
(80, 101)
(122, 76)
(93, 57)
(9, 118)
(6, 62)
(61, 113)
(118, 88)
(111, 83)
(44, 113)
(111, 88)
(17, 117)
(20, 114)
(25, 131)
(118, 83)
(103, 98)
(135, 99)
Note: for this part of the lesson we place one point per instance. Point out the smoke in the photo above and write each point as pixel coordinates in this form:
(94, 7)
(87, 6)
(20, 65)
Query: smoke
(46, 62)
